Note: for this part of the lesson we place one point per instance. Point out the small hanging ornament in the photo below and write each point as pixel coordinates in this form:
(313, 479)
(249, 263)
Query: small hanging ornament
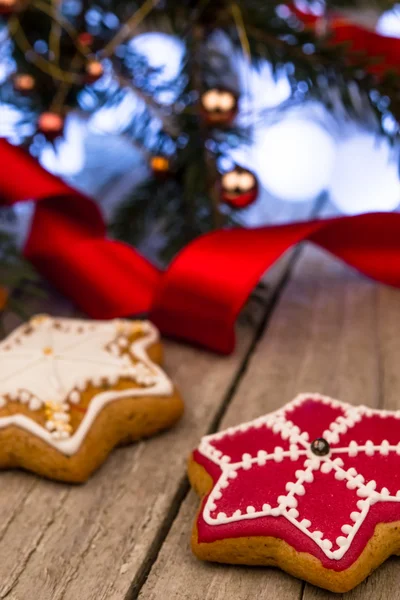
(94, 70)
(51, 124)
(161, 166)
(3, 298)
(239, 187)
(219, 106)
(85, 39)
(24, 83)
(8, 7)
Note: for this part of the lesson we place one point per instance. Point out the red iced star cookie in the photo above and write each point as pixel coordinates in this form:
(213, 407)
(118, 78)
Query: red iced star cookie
(313, 488)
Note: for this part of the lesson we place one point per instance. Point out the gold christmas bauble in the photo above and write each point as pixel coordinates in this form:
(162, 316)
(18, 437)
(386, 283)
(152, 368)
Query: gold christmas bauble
(24, 82)
(239, 187)
(219, 106)
(51, 125)
(94, 70)
(160, 165)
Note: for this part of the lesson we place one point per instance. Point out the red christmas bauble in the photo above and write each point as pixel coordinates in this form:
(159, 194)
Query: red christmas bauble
(8, 7)
(94, 70)
(219, 106)
(51, 125)
(239, 187)
(3, 298)
(85, 39)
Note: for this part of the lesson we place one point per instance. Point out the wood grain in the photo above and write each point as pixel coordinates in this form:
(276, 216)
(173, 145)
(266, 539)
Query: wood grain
(98, 541)
(384, 583)
(322, 337)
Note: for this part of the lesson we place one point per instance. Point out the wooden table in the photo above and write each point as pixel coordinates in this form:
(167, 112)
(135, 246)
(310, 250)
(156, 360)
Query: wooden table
(125, 534)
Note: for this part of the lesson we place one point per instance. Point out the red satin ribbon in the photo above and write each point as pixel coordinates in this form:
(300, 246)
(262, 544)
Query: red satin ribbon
(200, 295)
(361, 43)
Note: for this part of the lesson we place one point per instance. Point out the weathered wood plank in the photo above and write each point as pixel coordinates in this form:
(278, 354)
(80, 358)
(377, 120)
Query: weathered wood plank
(98, 540)
(384, 583)
(322, 337)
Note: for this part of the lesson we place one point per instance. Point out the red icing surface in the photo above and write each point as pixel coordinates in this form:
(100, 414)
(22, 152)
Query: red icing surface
(327, 501)
(372, 428)
(239, 443)
(314, 417)
(324, 498)
(257, 486)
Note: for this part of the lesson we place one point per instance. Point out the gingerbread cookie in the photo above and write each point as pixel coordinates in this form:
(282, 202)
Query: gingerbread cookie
(313, 488)
(71, 390)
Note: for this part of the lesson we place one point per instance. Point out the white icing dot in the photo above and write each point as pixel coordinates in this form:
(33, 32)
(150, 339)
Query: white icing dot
(50, 425)
(385, 492)
(369, 448)
(294, 452)
(338, 462)
(81, 384)
(353, 449)
(266, 508)
(232, 474)
(112, 379)
(217, 495)
(74, 397)
(351, 484)
(326, 467)
(34, 403)
(342, 541)
(261, 457)
(225, 459)
(305, 523)
(211, 506)
(221, 516)
(250, 510)
(224, 483)
(384, 448)
(293, 512)
(355, 516)
(308, 476)
(237, 513)
(326, 544)
(246, 461)
(347, 529)
(24, 396)
(278, 454)
(340, 475)
(317, 535)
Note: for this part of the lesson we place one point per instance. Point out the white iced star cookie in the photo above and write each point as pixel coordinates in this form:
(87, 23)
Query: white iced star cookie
(71, 390)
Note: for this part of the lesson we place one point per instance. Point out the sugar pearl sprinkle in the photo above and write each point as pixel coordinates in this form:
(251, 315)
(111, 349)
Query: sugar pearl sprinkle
(333, 462)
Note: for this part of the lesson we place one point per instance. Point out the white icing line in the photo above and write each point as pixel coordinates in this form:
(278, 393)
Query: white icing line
(161, 387)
